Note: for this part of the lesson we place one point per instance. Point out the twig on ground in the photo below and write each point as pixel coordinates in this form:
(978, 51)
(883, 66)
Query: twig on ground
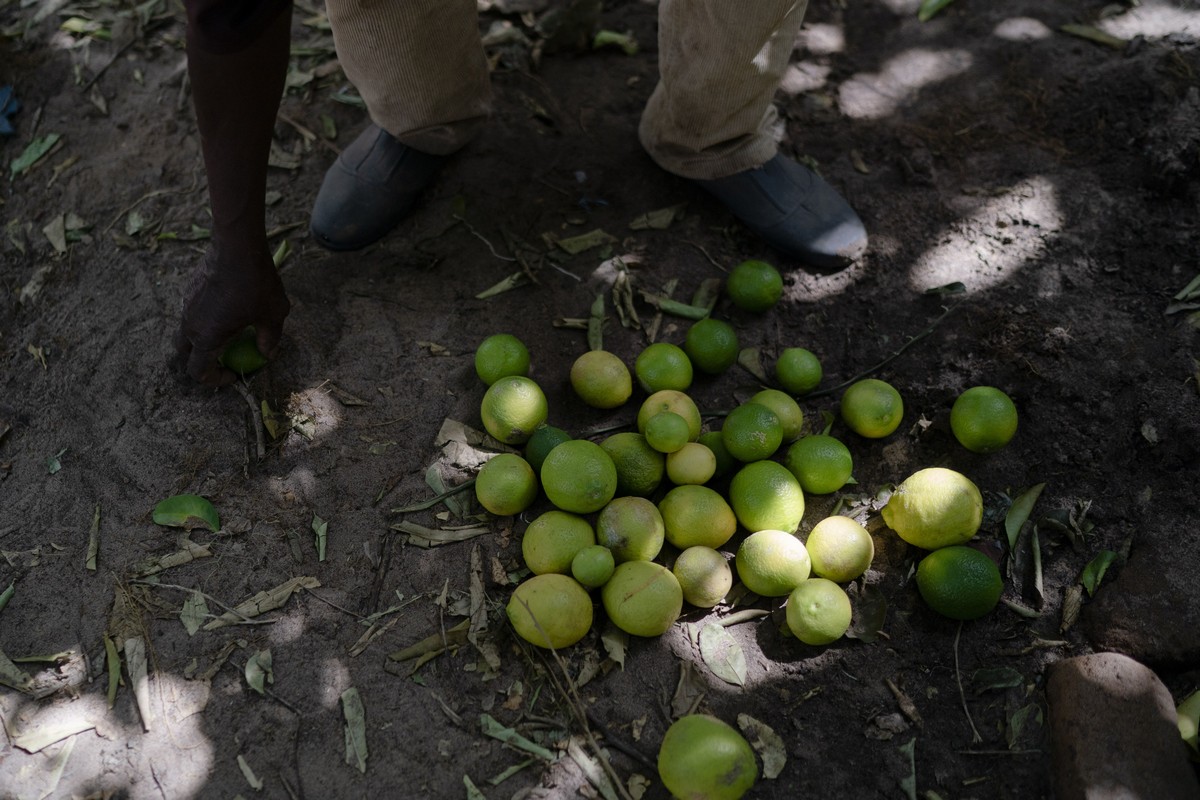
(484, 239)
(975, 737)
(260, 446)
(898, 352)
(332, 604)
(711, 260)
(155, 193)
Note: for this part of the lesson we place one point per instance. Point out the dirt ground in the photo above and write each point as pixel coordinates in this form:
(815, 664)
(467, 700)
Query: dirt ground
(1052, 176)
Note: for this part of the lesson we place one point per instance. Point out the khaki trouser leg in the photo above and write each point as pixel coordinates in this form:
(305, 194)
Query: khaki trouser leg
(720, 63)
(419, 65)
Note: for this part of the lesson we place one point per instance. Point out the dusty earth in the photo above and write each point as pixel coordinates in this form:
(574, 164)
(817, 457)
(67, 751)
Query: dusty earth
(1052, 176)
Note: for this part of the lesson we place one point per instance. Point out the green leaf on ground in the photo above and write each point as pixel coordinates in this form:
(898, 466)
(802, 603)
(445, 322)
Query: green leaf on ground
(722, 654)
(260, 671)
(187, 511)
(356, 729)
(1093, 573)
(320, 531)
(491, 727)
(908, 784)
(989, 678)
(7, 594)
(1018, 722)
(1019, 512)
(624, 41)
(34, 152)
(929, 8)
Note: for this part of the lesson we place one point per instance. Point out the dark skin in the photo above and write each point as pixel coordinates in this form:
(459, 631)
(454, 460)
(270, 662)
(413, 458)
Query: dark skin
(236, 97)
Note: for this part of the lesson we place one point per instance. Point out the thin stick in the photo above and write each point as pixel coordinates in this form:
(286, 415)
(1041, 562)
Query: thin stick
(886, 361)
(256, 417)
(332, 604)
(975, 737)
(711, 260)
(483, 239)
(148, 195)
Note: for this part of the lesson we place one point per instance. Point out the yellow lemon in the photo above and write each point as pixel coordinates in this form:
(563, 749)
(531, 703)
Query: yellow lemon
(840, 549)
(693, 463)
(506, 484)
(704, 576)
(642, 598)
(550, 610)
(772, 563)
(764, 495)
(696, 515)
(578, 476)
(934, 507)
(632, 528)
(703, 758)
(512, 409)
(551, 541)
(670, 400)
(818, 611)
(601, 379)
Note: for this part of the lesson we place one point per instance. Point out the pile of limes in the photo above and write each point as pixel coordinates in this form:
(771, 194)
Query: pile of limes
(639, 516)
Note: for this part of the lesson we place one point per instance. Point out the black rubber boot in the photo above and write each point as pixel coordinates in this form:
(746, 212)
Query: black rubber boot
(373, 185)
(792, 209)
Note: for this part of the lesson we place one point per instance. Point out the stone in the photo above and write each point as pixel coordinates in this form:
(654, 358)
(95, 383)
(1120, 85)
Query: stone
(1113, 732)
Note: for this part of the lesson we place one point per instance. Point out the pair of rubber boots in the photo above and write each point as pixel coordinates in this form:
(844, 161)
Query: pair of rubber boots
(376, 181)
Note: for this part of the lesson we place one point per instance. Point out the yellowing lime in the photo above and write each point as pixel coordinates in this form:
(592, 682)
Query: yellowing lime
(711, 345)
(840, 549)
(934, 507)
(820, 462)
(601, 379)
(754, 286)
(632, 528)
(663, 365)
(551, 541)
(798, 370)
(872, 408)
(666, 431)
(752, 432)
(578, 476)
(512, 409)
(703, 758)
(692, 463)
(499, 356)
(642, 598)
(639, 466)
(791, 418)
(772, 563)
(764, 495)
(696, 515)
(593, 565)
(670, 400)
(543, 440)
(704, 575)
(242, 355)
(959, 582)
(983, 419)
(550, 610)
(506, 484)
(818, 611)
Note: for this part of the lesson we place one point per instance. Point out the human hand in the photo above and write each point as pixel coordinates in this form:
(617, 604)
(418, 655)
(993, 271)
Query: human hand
(226, 293)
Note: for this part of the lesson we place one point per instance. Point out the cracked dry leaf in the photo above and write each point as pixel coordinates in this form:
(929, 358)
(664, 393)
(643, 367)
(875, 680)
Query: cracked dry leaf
(195, 611)
(264, 601)
(13, 676)
(355, 730)
(188, 551)
(722, 654)
(135, 663)
(493, 728)
(260, 671)
(766, 743)
(659, 219)
(689, 691)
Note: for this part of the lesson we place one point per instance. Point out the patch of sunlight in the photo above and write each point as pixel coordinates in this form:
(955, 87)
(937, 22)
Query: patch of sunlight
(1022, 29)
(989, 245)
(76, 740)
(1155, 18)
(876, 95)
(905, 8)
(335, 679)
(804, 76)
(821, 39)
(808, 287)
(287, 628)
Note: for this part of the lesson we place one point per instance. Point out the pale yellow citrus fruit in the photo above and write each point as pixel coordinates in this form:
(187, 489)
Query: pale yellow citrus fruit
(959, 582)
(772, 563)
(632, 528)
(818, 611)
(666, 432)
(543, 440)
(872, 408)
(512, 409)
(840, 549)
(752, 432)
(642, 598)
(704, 576)
(550, 610)
(663, 365)
(983, 419)
(551, 541)
(696, 515)
(601, 379)
(711, 345)
(578, 476)
(764, 495)
(934, 507)
(506, 484)
(692, 463)
(499, 356)
(704, 758)
(754, 286)
(593, 566)
(798, 370)
(639, 466)
(791, 418)
(820, 462)
(670, 400)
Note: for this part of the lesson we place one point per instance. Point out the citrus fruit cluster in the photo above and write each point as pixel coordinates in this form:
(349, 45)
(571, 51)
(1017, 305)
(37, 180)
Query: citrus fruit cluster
(641, 516)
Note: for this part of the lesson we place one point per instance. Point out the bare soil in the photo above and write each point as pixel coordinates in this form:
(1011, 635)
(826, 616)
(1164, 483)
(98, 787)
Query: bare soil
(1053, 177)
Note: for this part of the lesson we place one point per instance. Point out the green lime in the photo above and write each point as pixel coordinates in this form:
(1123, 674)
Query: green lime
(754, 286)
(663, 365)
(983, 419)
(959, 582)
(798, 370)
(712, 345)
(499, 356)
(820, 462)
